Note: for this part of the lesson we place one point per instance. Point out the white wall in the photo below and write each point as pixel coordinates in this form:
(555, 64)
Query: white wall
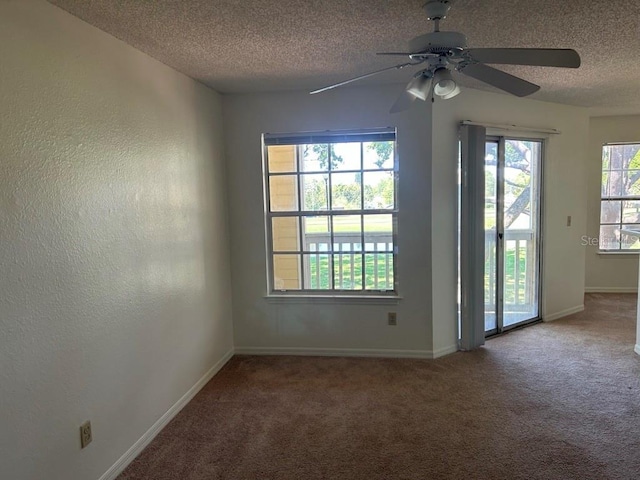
(564, 193)
(427, 223)
(260, 325)
(115, 282)
(607, 273)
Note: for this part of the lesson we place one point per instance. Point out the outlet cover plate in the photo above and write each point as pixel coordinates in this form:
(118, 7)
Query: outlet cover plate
(85, 434)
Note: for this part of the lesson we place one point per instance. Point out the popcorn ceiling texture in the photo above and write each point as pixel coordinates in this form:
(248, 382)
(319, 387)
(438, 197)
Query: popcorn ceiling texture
(271, 45)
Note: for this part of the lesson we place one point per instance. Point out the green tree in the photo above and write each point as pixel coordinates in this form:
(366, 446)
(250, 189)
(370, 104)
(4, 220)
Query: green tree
(323, 151)
(517, 156)
(381, 194)
(315, 195)
(384, 151)
(622, 178)
(346, 196)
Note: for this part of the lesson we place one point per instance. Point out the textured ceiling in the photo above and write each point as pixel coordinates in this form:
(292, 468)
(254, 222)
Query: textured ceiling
(270, 45)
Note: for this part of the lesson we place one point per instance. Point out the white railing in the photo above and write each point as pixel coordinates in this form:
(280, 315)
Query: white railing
(520, 288)
(352, 267)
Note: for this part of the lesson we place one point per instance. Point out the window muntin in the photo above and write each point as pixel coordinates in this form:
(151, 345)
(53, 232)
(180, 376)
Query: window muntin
(331, 208)
(620, 197)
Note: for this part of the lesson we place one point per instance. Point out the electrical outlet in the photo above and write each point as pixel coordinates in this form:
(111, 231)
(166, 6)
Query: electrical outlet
(85, 434)
(392, 318)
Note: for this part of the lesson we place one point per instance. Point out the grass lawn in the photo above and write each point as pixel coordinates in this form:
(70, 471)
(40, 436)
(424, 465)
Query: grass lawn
(349, 224)
(321, 262)
(510, 277)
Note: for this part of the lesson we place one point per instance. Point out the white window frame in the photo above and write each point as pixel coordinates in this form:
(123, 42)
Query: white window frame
(621, 198)
(330, 137)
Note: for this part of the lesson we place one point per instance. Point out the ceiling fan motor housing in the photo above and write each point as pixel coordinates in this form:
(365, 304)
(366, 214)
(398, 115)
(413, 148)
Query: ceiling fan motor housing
(438, 42)
(437, 9)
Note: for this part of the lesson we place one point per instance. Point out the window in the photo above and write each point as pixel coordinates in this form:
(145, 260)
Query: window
(620, 201)
(331, 212)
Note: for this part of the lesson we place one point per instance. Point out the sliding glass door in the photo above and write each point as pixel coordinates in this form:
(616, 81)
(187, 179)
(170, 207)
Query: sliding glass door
(512, 179)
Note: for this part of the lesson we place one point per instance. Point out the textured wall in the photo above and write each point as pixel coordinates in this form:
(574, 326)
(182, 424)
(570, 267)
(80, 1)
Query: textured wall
(564, 192)
(346, 326)
(114, 286)
(427, 223)
(607, 273)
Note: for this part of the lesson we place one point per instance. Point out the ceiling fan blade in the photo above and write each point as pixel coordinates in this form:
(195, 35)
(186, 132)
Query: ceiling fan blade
(499, 79)
(366, 75)
(409, 54)
(541, 57)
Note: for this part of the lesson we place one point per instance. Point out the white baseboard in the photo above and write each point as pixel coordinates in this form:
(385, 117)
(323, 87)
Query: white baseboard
(441, 352)
(563, 313)
(150, 434)
(610, 289)
(342, 352)
(637, 349)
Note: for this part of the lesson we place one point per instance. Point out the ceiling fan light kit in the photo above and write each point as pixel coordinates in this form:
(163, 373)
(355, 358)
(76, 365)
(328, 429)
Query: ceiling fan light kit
(420, 87)
(442, 52)
(444, 85)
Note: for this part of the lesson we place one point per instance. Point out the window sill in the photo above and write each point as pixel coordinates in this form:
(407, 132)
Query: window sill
(339, 299)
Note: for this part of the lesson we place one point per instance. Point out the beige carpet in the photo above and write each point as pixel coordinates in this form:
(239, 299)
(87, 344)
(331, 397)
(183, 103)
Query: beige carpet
(552, 401)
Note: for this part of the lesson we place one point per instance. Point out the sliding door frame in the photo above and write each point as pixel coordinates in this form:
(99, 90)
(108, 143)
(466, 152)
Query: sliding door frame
(538, 176)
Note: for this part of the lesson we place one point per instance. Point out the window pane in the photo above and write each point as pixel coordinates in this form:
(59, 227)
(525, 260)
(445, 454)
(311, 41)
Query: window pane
(633, 154)
(346, 156)
(517, 187)
(378, 190)
(490, 174)
(610, 211)
(347, 233)
(631, 211)
(606, 154)
(605, 184)
(609, 237)
(285, 234)
(314, 188)
(314, 158)
(346, 191)
(316, 224)
(286, 272)
(378, 233)
(517, 154)
(378, 271)
(624, 156)
(317, 235)
(317, 271)
(612, 183)
(316, 247)
(347, 271)
(631, 183)
(334, 156)
(283, 193)
(615, 157)
(281, 158)
(378, 155)
(630, 241)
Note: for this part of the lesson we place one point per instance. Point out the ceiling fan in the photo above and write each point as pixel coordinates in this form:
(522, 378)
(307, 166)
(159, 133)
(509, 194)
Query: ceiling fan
(441, 52)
